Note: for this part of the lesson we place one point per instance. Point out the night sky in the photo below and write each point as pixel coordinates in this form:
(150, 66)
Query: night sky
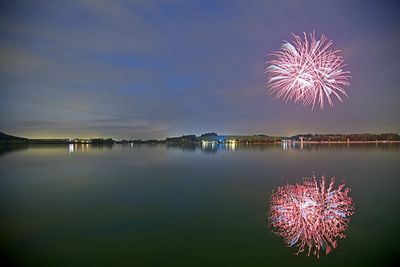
(152, 69)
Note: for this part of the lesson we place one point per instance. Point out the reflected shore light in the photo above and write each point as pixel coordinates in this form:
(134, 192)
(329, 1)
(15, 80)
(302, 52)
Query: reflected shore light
(71, 148)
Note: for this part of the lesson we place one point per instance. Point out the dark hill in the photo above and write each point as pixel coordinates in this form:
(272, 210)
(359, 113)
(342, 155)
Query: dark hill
(7, 137)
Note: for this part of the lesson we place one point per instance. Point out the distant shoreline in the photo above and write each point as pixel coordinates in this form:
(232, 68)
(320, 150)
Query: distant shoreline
(214, 138)
(19, 143)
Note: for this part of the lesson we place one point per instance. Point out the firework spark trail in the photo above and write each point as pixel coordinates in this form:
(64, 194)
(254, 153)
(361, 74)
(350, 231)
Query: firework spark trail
(307, 72)
(310, 214)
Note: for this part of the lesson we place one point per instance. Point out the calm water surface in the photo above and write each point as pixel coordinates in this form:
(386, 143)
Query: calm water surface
(184, 206)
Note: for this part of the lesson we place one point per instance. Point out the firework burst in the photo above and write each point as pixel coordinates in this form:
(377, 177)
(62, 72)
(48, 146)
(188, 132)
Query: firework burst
(308, 72)
(311, 214)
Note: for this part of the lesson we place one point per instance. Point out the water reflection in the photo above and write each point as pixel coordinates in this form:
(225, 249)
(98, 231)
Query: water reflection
(214, 147)
(75, 148)
(176, 199)
(7, 148)
(71, 148)
(289, 145)
(81, 148)
(311, 215)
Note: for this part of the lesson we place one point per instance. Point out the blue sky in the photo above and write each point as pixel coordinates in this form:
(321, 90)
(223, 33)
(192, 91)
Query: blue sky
(152, 69)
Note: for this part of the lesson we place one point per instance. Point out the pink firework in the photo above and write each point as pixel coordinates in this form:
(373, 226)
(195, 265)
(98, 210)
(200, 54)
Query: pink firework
(310, 215)
(307, 72)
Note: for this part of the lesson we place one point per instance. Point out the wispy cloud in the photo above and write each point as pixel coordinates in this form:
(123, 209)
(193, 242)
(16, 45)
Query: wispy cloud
(148, 68)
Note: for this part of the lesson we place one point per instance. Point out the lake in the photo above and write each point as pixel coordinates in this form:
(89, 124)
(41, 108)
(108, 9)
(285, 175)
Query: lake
(142, 205)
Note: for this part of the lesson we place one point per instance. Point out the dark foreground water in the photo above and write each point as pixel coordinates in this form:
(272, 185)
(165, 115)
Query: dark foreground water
(184, 206)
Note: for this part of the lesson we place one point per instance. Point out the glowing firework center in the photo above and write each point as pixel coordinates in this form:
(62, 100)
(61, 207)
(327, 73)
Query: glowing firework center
(311, 215)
